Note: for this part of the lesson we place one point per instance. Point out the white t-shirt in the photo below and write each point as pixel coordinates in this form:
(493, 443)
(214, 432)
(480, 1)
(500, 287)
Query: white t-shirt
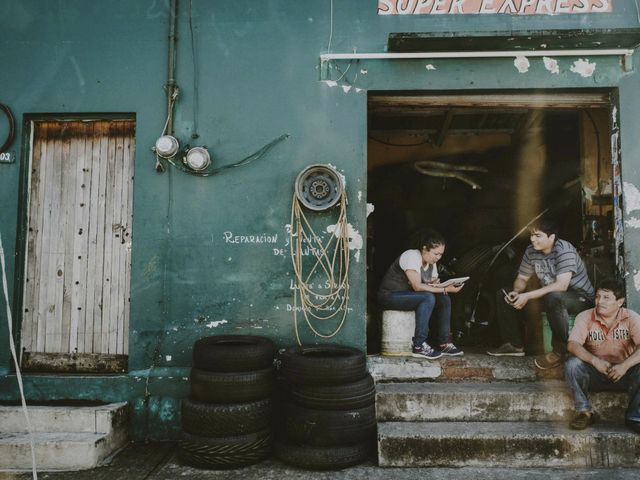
(412, 260)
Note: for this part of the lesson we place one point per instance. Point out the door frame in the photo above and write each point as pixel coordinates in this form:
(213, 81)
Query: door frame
(80, 363)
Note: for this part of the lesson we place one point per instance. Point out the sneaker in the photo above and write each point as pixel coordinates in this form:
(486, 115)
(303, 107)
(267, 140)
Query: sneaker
(507, 350)
(548, 360)
(425, 351)
(582, 420)
(450, 350)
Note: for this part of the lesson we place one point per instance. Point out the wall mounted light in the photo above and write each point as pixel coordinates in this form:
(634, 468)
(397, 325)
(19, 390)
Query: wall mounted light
(197, 158)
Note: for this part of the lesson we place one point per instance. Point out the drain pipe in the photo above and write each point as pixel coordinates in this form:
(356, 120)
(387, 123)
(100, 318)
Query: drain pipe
(171, 87)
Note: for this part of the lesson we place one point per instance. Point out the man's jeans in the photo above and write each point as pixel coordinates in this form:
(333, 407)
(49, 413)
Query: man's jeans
(583, 377)
(434, 308)
(557, 305)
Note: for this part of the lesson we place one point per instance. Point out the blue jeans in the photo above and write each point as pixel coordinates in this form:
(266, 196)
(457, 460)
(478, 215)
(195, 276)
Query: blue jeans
(583, 377)
(558, 306)
(434, 308)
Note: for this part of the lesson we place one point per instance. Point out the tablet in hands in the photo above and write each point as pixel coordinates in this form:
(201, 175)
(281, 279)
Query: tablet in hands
(454, 281)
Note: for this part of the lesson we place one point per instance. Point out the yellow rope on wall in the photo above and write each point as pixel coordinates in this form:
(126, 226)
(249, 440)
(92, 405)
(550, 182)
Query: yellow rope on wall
(331, 266)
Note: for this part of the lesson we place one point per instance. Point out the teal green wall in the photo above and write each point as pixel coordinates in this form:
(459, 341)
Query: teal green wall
(258, 78)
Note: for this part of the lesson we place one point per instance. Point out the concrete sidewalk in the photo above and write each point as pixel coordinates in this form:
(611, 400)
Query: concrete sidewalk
(157, 461)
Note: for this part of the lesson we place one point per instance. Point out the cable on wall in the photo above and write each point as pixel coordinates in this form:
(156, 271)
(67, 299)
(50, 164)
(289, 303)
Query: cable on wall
(11, 135)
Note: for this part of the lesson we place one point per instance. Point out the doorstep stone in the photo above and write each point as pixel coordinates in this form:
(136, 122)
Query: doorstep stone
(65, 438)
(73, 419)
(488, 402)
(505, 444)
(470, 366)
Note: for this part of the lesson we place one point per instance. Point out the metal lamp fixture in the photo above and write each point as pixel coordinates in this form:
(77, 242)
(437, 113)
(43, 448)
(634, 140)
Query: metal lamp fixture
(197, 158)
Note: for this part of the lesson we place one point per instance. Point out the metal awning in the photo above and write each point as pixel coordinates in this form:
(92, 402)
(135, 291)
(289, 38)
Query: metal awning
(541, 43)
(579, 39)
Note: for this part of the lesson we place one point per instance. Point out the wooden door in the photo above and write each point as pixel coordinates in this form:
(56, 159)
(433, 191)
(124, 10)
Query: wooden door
(77, 266)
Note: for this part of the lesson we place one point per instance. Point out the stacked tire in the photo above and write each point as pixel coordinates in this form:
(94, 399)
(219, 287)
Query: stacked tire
(326, 407)
(227, 420)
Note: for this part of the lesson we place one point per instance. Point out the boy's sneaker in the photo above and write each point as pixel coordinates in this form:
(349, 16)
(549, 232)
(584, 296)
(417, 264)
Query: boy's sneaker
(548, 360)
(425, 351)
(450, 350)
(507, 350)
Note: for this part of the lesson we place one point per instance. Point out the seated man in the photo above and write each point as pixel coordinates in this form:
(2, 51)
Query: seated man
(565, 289)
(411, 283)
(605, 341)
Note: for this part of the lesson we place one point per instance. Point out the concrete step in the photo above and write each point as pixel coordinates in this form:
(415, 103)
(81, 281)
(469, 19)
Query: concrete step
(58, 419)
(470, 366)
(65, 438)
(488, 402)
(506, 444)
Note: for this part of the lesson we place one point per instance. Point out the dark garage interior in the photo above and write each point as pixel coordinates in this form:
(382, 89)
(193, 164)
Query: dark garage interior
(479, 168)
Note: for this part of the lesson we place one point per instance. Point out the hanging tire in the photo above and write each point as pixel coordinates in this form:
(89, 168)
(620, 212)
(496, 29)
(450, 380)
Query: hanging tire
(346, 396)
(322, 458)
(224, 452)
(324, 428)
(233, 353)
(223, 420)
(322, 365)
(231, 387)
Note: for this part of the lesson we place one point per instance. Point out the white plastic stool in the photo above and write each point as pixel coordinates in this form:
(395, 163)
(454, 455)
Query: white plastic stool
(397, 330)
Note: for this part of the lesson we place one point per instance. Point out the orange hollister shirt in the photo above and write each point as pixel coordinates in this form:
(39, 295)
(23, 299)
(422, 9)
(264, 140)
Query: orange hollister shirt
(613, 345)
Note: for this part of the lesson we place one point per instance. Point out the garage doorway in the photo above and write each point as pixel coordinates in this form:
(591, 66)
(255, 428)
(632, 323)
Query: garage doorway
(478, 167)
(75, 314)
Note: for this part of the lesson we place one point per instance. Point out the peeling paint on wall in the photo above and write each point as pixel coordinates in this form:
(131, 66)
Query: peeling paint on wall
(636, 281)
(583, 67)
(632, 222)
(331, 83)
(355, 239)
(346, 88)
(631, 197)
(430, 67)
(370, 208)
(215, 324)
(522, 64)
(551, 64)
(344, 179)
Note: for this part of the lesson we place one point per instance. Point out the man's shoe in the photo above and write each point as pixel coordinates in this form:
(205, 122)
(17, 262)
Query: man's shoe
(507, 350)
(635, 426)
(582, 420)
(548, 360)
(425, 351)
(449, 349)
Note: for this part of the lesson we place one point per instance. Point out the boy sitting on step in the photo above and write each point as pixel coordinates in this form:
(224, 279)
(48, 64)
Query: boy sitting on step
(605, 342)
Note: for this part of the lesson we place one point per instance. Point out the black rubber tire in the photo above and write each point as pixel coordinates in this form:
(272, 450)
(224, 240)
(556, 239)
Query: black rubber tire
(233, 353)
(224, 452)
(328, 428)
(322, 458)
(231, 387)
(346, 396)
(225, 420)
(322, 365)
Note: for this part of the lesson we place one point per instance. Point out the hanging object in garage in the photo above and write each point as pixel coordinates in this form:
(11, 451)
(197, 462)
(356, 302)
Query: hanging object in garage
(321, 267)
(5, 155)
(449, 170)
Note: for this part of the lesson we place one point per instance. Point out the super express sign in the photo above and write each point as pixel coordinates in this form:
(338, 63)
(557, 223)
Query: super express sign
(513, 7)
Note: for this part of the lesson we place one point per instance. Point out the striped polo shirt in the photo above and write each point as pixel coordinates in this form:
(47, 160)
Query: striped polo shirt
(563, 258)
